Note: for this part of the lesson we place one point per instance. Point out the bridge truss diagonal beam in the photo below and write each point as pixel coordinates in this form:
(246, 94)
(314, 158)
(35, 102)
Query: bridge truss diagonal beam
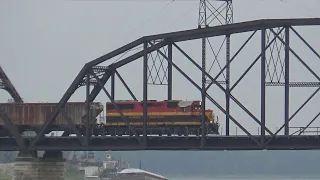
(125, 85)
(168, 39)
(12, 129)
(6, 84)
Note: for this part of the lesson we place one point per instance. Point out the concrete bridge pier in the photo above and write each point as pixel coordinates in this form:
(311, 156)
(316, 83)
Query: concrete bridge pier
(28, 166)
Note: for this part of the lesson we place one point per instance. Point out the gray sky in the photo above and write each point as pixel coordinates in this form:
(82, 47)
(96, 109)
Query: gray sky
(44, 44)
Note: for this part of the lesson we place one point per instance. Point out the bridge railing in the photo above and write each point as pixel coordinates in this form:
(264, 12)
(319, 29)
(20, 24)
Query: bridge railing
(305, 131)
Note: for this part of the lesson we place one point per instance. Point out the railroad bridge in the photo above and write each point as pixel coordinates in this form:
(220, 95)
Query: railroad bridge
(83, 133)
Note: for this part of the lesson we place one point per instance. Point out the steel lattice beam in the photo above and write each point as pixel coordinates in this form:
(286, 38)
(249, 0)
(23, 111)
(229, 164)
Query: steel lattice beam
(212, 13)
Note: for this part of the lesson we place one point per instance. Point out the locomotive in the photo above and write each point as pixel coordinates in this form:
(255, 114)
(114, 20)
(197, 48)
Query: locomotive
(174, 117)
(164, 118)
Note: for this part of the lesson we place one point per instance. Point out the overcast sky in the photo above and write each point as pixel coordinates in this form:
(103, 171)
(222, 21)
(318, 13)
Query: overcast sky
(44, 44)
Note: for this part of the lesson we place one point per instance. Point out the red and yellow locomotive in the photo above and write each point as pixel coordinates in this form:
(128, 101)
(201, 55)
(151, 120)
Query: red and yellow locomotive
(164, 118)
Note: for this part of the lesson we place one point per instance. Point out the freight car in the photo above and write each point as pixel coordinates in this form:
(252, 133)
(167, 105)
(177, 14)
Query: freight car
(31, 116)
(164, 118)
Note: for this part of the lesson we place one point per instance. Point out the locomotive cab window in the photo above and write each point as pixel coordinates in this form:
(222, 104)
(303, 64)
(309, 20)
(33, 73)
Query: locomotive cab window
(173, 104)
(120, 106)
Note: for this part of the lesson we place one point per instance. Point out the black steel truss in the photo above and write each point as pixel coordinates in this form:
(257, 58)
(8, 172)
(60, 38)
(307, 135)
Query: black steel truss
(163, 45)
(12, 129)
(6, 84)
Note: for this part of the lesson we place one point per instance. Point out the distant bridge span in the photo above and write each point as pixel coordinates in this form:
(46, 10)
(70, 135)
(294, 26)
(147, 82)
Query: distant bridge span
(93, 73)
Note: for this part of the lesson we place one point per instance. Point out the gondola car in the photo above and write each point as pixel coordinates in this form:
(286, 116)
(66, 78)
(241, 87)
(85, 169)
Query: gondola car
(31, 116)
(164, 118)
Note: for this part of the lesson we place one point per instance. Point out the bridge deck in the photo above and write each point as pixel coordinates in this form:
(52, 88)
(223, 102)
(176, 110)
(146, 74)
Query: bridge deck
(302, 142)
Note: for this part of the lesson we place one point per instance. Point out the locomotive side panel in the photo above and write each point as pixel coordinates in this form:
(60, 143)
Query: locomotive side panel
(168, 117)
(165, 111)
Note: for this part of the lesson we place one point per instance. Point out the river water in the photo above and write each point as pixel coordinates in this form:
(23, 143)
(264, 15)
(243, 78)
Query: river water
(248, 178)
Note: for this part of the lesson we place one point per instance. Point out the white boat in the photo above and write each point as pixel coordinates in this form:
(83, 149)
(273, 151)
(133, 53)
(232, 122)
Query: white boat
(118, 170)
(138, 174)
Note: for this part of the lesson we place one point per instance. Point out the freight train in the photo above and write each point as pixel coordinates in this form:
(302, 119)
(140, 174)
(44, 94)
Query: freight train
(164, 117)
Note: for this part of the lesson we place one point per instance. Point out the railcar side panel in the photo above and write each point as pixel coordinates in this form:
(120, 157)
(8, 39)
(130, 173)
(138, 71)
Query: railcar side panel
(34, 114)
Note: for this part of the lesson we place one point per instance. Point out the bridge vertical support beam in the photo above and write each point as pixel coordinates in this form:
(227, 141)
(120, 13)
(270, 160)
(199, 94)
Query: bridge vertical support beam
(203, 93)
(263, 85)
(229, 20)
(113, 86)
(145, 92)
(87, 128)
(286, 81)
(202, 23)
(227, 84)
(169, 71)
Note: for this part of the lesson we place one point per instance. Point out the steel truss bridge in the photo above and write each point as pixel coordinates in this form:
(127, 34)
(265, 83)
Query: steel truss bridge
(160, 47)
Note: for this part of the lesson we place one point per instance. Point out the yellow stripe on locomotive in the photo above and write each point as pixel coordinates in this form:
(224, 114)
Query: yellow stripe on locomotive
(162, 118)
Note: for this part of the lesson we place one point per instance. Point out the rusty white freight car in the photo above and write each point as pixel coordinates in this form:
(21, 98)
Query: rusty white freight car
(33, 115)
